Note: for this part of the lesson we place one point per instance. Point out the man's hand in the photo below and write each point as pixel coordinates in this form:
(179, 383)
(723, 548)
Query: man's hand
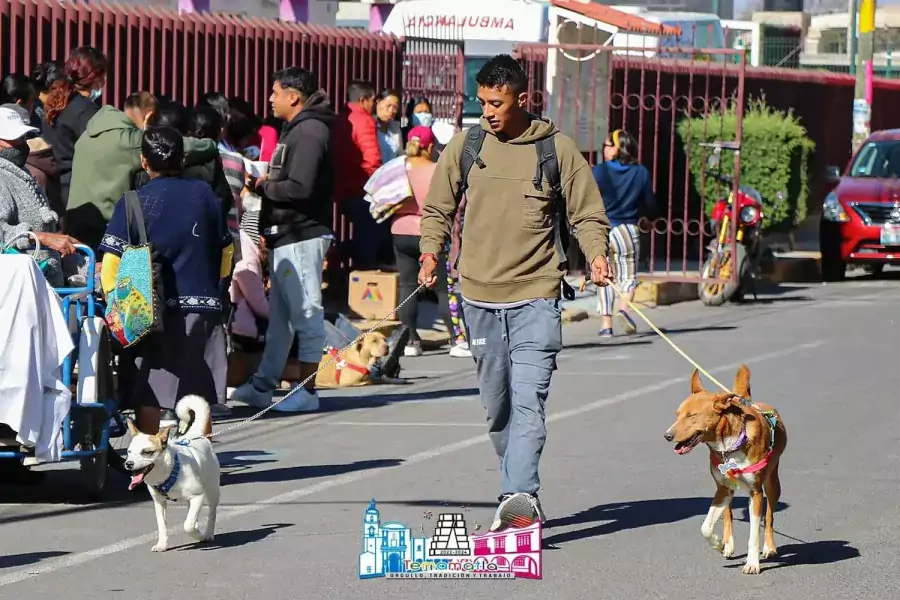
(426, 272)
(59, 242)
(260, 179)
(600, 271)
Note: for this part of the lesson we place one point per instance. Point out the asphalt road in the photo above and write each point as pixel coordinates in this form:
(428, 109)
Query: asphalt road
(624, 511)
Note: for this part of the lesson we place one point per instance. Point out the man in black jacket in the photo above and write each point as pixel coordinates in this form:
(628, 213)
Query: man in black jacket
(296, 221)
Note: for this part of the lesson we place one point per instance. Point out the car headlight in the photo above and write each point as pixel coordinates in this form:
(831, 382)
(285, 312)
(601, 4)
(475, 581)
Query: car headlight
(748, 214)
(833, 210)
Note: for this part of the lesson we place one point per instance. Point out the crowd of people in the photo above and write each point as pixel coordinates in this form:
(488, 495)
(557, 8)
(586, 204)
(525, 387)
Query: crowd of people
(239, 211)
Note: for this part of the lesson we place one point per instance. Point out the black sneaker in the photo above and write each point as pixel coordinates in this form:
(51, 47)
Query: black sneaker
(517, 510)
(389, 366)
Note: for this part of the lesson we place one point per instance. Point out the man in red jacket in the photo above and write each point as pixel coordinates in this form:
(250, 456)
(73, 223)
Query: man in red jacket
(357, 156)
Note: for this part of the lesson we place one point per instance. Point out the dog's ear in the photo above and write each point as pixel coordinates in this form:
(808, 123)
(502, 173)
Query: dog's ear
(696, 384)
(132, 428)
(723, 402)
(164, 435)
(742, 382)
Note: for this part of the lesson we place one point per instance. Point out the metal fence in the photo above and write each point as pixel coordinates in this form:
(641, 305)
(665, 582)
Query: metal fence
(434, 68)
(591, 90)
(183, 56)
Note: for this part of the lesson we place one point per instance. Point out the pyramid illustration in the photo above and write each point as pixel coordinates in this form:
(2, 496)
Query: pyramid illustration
(450, 536)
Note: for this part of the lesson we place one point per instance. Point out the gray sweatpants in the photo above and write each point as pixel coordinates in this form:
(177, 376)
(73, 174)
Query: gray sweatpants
(515, 353)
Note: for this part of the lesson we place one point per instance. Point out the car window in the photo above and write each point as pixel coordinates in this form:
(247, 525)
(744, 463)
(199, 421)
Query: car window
(878, 159)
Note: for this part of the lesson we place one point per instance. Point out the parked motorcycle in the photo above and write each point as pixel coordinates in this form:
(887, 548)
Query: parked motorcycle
(727, 258)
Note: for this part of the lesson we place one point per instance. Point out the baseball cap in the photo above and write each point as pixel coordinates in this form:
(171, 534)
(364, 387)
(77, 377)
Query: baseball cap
(424, 134)
(13, 126)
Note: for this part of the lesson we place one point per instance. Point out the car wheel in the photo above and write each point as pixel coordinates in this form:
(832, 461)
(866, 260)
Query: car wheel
(833, 268)
(875, 270)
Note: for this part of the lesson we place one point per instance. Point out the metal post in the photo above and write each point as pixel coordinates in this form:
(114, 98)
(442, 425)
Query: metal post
(862, 103)
(852, 41)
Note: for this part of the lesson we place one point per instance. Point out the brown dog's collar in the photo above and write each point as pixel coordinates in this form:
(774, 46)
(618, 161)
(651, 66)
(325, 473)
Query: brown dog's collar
(340, 364)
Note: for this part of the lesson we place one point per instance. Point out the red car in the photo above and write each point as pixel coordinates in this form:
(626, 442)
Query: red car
(861, 216)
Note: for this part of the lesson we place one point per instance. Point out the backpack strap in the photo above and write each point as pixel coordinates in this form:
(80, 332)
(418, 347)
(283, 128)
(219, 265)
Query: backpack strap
(470, 156)
(134, 216)
(548, 168)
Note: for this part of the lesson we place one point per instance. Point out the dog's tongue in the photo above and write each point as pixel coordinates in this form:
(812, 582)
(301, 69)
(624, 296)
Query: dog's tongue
(136, 480)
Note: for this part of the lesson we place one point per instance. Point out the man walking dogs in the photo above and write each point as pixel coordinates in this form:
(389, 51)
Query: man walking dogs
(511, 265)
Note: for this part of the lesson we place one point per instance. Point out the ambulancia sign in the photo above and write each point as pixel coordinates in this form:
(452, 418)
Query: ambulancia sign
(488, 20)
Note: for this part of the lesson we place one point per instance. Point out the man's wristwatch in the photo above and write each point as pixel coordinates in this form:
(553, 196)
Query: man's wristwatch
(427, 254)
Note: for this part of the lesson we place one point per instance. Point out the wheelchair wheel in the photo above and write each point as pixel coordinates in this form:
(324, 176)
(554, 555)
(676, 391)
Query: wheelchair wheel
(93, 473)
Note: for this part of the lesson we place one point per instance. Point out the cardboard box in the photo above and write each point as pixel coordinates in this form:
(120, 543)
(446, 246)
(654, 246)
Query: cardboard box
(373, 294)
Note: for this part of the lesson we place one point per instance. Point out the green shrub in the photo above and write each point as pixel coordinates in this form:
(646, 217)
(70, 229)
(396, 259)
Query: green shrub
(775, 155)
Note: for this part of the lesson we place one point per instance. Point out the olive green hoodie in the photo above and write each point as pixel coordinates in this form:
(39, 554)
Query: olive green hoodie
(508, 245)
(108, 157)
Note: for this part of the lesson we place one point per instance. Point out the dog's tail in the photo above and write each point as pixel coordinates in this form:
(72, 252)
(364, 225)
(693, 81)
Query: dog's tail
(192, 425)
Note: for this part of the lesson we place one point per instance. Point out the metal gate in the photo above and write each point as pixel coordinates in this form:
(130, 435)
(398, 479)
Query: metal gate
(666, 103)
(434, 68)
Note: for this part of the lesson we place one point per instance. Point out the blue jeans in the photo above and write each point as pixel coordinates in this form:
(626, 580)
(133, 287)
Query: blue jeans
(515, 353)
(295, 309)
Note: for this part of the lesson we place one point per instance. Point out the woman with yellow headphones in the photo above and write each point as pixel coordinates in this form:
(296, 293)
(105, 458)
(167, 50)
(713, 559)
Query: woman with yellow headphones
(627, 195)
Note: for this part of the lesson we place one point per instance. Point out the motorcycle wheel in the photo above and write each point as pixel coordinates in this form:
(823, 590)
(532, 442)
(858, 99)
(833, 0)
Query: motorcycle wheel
(721, 265)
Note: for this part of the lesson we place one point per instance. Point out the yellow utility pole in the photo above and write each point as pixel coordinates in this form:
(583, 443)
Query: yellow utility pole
(862, 103)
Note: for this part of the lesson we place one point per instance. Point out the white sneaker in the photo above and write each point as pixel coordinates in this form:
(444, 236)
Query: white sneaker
(300, 401)
(461, 350)
(412, 350)
(250, 396)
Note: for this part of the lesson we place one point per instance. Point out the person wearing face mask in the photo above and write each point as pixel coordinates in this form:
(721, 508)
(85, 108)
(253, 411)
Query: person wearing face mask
(41, 163)
(418, 112)
(70, 104)
(24, 206)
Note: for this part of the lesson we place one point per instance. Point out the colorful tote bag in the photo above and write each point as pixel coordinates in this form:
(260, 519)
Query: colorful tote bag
(133, 306)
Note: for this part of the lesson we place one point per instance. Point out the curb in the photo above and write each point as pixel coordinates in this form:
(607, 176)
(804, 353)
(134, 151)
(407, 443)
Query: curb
(665, 293)
(795, 267)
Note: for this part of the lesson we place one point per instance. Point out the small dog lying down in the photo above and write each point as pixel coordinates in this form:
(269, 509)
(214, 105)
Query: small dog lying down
(353, 367)
(746, 440)
(178, 466)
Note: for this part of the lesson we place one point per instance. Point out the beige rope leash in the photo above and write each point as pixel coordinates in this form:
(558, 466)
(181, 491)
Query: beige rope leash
(668, 340)
(311, 377)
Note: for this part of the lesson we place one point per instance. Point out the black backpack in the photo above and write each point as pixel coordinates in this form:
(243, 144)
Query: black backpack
(547, 166)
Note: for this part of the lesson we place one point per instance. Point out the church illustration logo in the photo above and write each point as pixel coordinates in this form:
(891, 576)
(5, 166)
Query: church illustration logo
(390, 551)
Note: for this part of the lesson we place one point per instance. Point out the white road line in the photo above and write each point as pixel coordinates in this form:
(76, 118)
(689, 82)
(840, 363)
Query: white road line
(400, 424)
(613, 373)
(80, 558)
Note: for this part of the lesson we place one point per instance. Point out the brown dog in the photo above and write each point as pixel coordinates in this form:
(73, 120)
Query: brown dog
(353, 366)
(746, 440)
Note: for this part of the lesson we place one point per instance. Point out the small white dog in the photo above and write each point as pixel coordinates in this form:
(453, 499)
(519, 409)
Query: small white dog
(179, 466)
